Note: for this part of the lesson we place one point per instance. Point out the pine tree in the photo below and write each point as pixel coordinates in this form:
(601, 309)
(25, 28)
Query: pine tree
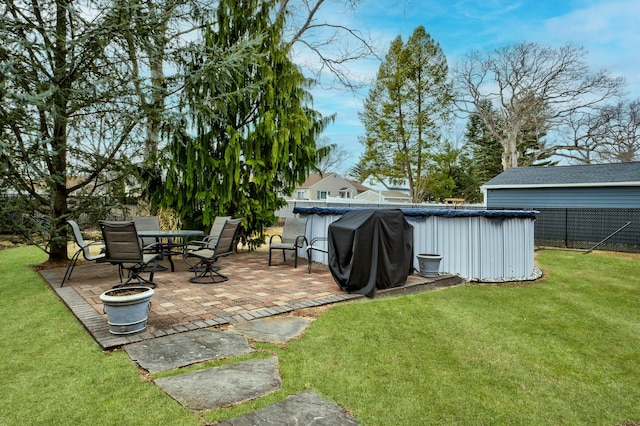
(247, 139)
(485, 149)
(405, 110)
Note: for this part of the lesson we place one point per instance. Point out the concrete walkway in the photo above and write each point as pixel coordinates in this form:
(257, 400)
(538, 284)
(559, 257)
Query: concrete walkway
(236, 382)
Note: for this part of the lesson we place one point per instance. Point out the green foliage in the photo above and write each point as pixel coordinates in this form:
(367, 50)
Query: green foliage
(248, 133)
(67, 118)
(405, 110)
(485, 149)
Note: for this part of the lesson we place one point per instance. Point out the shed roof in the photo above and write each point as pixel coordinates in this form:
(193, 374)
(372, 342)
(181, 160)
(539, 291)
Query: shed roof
(618, 174)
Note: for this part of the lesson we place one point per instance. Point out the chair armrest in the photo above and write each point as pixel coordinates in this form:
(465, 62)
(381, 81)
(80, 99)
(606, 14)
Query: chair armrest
(300, 239)
(197, 242)
(317, 240)
(273, 236)
(313, 244)
(194, 245)
(152, 246)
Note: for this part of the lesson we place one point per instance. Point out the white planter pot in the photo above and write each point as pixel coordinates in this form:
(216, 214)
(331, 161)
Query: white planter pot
(429, 264)
(127, 308)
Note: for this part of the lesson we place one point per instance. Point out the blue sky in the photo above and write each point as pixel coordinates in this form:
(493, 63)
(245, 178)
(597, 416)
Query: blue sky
(608, 29)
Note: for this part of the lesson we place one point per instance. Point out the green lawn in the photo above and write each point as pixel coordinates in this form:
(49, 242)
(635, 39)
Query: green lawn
(563, 350)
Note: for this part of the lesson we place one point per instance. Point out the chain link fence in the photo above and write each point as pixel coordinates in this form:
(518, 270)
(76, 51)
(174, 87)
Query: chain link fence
(609, 229)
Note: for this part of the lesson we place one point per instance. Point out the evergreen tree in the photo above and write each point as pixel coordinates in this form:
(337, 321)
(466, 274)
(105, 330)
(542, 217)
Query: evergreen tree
(67, 119)
(405, 110)
(236, 154)
(484, 147)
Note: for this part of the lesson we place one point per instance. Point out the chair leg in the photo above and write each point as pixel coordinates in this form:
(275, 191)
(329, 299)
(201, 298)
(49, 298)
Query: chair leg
(207, 273)
(295, 257)
(284, 256)
(134, 273)
(153, 271)
(270, 256)
(72, 264)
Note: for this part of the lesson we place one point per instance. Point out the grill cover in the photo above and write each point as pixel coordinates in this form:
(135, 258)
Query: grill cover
(370, 249)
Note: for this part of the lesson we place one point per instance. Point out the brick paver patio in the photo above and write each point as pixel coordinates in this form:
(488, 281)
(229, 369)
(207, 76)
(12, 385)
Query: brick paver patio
(254, 290)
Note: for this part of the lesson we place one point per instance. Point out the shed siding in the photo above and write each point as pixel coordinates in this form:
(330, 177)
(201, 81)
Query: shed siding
(537, 198)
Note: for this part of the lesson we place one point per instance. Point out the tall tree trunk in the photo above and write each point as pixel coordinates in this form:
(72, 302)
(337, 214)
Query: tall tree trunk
(58, 164)
(510, 154)
(158, 95)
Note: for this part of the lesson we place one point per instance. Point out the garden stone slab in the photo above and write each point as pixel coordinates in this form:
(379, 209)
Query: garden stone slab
(179, 350)
(273, 329)
(301, 409)
(223, 386)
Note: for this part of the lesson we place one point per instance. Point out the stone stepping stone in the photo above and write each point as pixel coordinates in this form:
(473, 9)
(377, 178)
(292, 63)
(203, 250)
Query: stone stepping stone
(301, 409)
(273, 329)
(179, 350)
(223, 386)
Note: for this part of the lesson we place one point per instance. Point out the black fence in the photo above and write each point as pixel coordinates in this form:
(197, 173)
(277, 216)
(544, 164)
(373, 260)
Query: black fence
(608, 229)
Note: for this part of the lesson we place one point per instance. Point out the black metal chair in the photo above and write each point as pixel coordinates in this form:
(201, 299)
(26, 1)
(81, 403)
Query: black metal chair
(85, 249)
(320, 244)
(201, 251)
(214, 234)
(292, 238)
(123, 249)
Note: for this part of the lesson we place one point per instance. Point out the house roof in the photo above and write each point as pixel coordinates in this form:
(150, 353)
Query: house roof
(385, 194)
(383, 183)
(313, 178)
(618, 174)
(359, 187)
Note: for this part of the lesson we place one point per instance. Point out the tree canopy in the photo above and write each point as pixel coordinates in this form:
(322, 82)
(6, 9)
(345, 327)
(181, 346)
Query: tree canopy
(403, 114)
(245, 137)
(89, 93)
(67, 115)
(533, 89)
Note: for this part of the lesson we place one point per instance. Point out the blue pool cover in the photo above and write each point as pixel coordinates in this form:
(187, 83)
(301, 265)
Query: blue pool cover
(413, 212)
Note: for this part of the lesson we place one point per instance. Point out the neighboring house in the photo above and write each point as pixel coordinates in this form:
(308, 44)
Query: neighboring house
(583, 186)
(321, 187)
(382, 184)
(383, 196)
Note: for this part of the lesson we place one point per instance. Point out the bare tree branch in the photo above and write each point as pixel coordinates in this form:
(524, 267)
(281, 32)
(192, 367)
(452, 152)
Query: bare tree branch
(530, 86)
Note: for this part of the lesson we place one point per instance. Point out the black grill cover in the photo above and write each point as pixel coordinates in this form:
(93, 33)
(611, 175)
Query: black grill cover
(370, 249)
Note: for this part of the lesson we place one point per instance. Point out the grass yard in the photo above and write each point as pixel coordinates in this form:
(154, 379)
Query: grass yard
(51, 370)
(563, 350)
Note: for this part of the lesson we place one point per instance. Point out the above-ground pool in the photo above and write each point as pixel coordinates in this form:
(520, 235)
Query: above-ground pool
(478, 245)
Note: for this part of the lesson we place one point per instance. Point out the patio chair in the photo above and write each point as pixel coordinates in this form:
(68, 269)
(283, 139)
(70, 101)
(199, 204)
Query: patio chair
(147, 223)
(84, 249)
(205, 270)
(319, 244)
(123, 249)
(212, 239)
(292, 238)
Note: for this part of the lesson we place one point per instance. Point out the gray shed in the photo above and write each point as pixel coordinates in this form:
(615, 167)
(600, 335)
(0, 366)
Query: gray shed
(583, 186)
